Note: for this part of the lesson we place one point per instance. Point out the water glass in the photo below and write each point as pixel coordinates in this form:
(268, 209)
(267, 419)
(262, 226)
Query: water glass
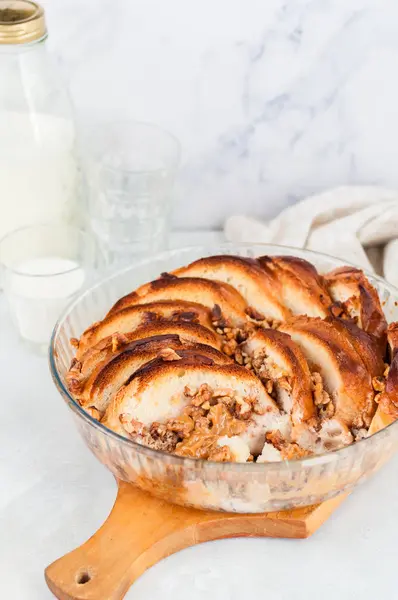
(43, 267)
(130, 171)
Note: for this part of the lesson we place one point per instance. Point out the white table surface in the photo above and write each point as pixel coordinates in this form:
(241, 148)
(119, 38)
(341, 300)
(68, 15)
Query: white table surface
(54, 495)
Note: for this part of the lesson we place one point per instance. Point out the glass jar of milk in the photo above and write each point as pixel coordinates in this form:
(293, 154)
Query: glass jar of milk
(39, 174)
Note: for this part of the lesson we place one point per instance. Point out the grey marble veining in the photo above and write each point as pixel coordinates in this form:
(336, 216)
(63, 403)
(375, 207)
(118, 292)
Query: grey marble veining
(271, 100)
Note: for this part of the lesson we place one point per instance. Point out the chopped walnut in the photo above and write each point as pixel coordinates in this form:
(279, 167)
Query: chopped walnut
(230, 347)
(118, 340)
(216, 313)
(160, 438)
(182, 425)
(75, 385)
(189, 392)
(254, 314)
(243, 409)
(74, 342)
(359, 434)
(378, 384)
(132, 426)
(293, 452)
(239, 358)
(168, 354)
(269, 386)
(76, 366)
(321, 397)
(204, 394)
(195, 412)
(227, 400)
(326, 411)
(276, 439)
(222, 454)
(289, 451)
(336, 309)
(352, 307)
(357, 422)
(284, 384)
(274, 323)
(94, 412)
(203, 439)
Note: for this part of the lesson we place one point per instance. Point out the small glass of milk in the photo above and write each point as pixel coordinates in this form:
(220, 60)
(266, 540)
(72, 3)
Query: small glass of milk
(42, 268)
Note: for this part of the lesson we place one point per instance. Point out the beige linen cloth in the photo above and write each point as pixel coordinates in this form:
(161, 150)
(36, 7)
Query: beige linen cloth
(358, 224)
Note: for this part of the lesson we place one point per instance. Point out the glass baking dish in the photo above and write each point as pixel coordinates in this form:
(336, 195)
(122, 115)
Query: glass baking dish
(233, 487)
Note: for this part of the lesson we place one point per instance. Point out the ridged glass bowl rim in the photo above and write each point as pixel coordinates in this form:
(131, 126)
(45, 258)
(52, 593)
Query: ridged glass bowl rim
(196, 463)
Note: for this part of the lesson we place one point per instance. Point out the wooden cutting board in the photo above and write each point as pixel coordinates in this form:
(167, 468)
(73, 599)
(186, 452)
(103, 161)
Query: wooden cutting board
(142, 529)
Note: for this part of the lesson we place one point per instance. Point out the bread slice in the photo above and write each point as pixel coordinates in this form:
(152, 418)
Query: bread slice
(364, 344)
(276, 358)
(99, 355)
(190, 289)
(298, 284)
(387, 411)
(344, 376)
(358, 299)
(132, 317)
(157, 393)
(103, 384)
(245, 275)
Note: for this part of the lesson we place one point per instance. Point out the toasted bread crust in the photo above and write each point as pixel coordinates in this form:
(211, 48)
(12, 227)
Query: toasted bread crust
(388, 403)
(245, 274)
(191, 289)
(346, 283)
(364, 343)
(106, 381)
(354, 395)
(301, 288)
(132, 317)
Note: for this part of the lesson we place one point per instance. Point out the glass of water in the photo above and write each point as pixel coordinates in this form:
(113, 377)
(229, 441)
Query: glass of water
(130, 171)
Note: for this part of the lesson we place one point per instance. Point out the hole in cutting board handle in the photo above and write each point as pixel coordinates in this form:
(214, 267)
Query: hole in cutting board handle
(83, 577)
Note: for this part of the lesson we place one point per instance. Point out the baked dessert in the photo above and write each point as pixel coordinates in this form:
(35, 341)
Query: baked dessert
(244, 360)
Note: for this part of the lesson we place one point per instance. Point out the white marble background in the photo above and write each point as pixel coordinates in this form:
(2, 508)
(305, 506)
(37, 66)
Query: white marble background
(271, 99)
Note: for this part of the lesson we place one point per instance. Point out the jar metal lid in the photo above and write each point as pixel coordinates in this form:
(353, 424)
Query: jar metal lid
(21, 22)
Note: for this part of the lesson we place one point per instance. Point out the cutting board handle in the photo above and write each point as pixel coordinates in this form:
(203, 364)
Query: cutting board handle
(142, 529)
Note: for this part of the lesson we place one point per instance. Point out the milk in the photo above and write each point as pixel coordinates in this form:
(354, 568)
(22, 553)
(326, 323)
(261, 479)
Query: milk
(38, 290)
(38, 170)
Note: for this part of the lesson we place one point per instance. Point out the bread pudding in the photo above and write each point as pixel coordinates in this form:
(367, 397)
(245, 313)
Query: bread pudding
(243, 360)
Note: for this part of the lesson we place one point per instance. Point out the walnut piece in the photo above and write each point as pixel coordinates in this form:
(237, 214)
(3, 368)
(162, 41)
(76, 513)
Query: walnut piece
(168, 354)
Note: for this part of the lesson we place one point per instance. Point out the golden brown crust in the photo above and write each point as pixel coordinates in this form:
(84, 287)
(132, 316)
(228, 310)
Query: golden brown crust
(191, 289)
(392, 338)
(105, 382)
(352, 388)
(364, 344)
(388, 401)
(300, 287)
(128, 319)
(109, 347)
(286, 355)
(350, 286)
(254, 283)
